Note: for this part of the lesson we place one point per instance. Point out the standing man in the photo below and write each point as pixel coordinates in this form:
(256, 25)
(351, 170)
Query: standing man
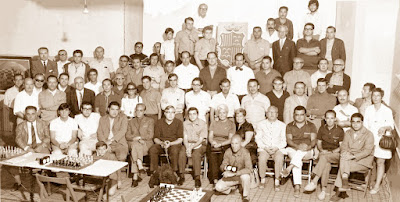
(76, 68)
(103, 100)
(88, 123)
(50, 99)
(212, 74)
(299, 98)
(199, 99)
(239, 76)
(93, 84)
(63, 59)
(224, 97)
(283, 51)
(266, 75)
(44, 65)
(103, 66)
(255, 103)
(77, 96)
(301, 137)
(308, 49)
(168, 135)
(282, 20)
(25, 98)
(332, 48)
(204, 46)
(185, 41)
(278, 96)
(112, 129)
(194, 145)
(270, 33)
(152, 99)
(12, 92)
(256, 49)
(271, 142)
(313, 17)
(297, 75)
(186, 72)
(173, 96)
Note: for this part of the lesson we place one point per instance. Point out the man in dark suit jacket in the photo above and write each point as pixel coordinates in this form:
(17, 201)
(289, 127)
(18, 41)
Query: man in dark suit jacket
(211, 83)
(44, 65)
(338, 50)
(283, 53)
(76, 97)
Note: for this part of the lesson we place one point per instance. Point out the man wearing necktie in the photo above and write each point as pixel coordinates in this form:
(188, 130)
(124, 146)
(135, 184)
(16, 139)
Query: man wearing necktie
(44, 65)
(283, 51)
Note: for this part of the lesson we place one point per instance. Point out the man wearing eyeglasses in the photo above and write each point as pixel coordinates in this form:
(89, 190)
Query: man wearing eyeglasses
(338, 80)
(63, 59)
(308, 49)
(50, 99)
(124, 67)
(44, 65)
(88, 122)
(38, 82)
(173, 96)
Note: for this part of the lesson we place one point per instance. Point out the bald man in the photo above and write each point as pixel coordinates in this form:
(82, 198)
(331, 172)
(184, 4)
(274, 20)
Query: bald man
(25, 98)
(103, 65)
(76, 97)
(236, 168)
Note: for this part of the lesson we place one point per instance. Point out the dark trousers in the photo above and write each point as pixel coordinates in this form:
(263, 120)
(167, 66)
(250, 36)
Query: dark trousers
(197, 155)
(173, 152)
(214, 163)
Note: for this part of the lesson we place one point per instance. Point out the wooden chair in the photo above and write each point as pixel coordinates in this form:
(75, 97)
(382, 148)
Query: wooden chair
(204, 165)
(304, 173)
(270, 171)
(69, 192)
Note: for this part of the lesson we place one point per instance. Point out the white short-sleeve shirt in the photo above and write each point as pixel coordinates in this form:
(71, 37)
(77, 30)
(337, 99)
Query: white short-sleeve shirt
(88, 125)
(63, 129)
(186, 74)
(168, 49)
(104, 68)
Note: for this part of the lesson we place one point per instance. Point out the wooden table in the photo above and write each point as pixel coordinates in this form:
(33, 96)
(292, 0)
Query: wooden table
(100, 168)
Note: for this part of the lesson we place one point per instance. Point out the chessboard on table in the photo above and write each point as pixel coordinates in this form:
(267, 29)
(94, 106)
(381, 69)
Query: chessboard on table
(9, 152)
(176, 195)
(73, 163)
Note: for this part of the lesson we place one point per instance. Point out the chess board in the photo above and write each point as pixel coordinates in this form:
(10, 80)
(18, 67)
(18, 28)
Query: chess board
(178, 195)
(54, 164)
(10, 152)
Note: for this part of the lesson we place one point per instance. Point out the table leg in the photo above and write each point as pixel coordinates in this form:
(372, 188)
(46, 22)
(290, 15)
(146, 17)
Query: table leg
(107, 188)
(32, 184)
(103, 186)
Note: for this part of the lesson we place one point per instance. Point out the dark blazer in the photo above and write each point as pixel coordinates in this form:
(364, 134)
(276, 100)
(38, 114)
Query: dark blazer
(212, 84)
(72, 100)
(37, 67)
(334, 89)
(362, 147)
(119, 129)
(42, 129)
(338, 49)
(87, 68)
(283, 59)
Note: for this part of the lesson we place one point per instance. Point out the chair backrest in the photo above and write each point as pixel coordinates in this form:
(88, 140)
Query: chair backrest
(40, 179)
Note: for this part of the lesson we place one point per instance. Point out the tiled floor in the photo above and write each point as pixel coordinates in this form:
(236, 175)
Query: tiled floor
(135, 194)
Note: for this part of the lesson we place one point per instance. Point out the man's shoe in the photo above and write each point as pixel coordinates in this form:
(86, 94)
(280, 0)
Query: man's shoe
(139, 179)
(142, 171)
(335, 198)
(321, 196)
(149, 172)
(246, 199)
(277, 187)
(285, 173)
(197, 183)
(374, 191)
(296, 192)
(310, 187)
(181, 179)
(135, 183)
(112, 190)
(16, 186)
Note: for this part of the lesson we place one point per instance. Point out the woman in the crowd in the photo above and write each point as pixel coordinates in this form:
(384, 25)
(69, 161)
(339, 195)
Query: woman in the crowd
(379, 119)
(128, 103)
(219, 138)
(246, 131)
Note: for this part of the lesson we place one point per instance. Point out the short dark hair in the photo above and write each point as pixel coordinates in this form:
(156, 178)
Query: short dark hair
(253, 80)
(136, 57)
(311, 2)
(189, 18)
(371, 86)
(168, 30)
(358, 115)
(278, 78)
(256, 27)
(198, 79)
(172, 75)
(193, 109)
(321, 59)
(43, 48)
(300, 82)
(18, 74)
(330, 111)
(107, 79)
(146, 77)
(331, 27)
(77, 51)
(114, 103)
(322, 80)
(154, 54)
(225, 80)
(185, 52)
(284, 7)
(300, 108)
(30, 107)
(309, 24)
(271, 19)
(61, 50)
(212, 53)
(379, 90)
(124, 56)
(169, 62)
(268, 58)
(87, 103)
(92, 70)
(63, 106)
(139, 43)
(63, 74)
(52, 76)
(239, 54)
(100, 144)
(206, 28)
(240, 110)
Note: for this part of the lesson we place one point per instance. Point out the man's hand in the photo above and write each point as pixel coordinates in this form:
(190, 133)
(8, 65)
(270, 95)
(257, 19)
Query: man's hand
(30, 150)
(189, 152)
(228, 174)
(167, 144)
(63, 146)
(303, 147)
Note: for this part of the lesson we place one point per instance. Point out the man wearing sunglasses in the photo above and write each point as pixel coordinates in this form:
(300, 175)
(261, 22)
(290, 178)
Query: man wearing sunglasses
(38, 82)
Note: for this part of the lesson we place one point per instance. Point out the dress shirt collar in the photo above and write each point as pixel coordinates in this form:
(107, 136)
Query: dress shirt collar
(62, 88)
(46, 61)
(52, 92)
(80, 91)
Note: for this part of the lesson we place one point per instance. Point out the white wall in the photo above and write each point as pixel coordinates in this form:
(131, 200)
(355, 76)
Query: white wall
(160, 14)
(29, 24)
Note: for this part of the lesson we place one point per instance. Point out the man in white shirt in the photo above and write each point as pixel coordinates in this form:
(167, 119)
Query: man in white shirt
(199, 99)
(320, 73)
(12, 92)
(224, 97)
(186, 72)
(63, 132)
(168, 47)
(88, 122)
(271, 142)
(239, 75)
(271, 35)
(173, 96)
(344, 110)
(313, 17)
(25, 98)
(255, 103)
(103, 66)
(93, 84)
(39, 82)
(63, 56)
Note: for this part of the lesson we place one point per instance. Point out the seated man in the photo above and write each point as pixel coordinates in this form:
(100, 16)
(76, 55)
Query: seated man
(50, 99)
(168, 134)
(301, 137)
(173, 96)
(25, 98)
(299, 98)
(140, 138)
(198, 98)
(338, 80)
(344, 110)
(330, 136)
(239, 158)
(103, 99)
(271, 142)
(103, 152)
(194, 140)
(63, 132)
(356, 154)
(112, 130)
(88, 122)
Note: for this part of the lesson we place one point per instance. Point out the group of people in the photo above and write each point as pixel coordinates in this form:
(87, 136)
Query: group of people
(186, 103)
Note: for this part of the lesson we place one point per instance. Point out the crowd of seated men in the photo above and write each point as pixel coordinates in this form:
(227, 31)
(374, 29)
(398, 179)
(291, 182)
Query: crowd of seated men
(182, 100)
